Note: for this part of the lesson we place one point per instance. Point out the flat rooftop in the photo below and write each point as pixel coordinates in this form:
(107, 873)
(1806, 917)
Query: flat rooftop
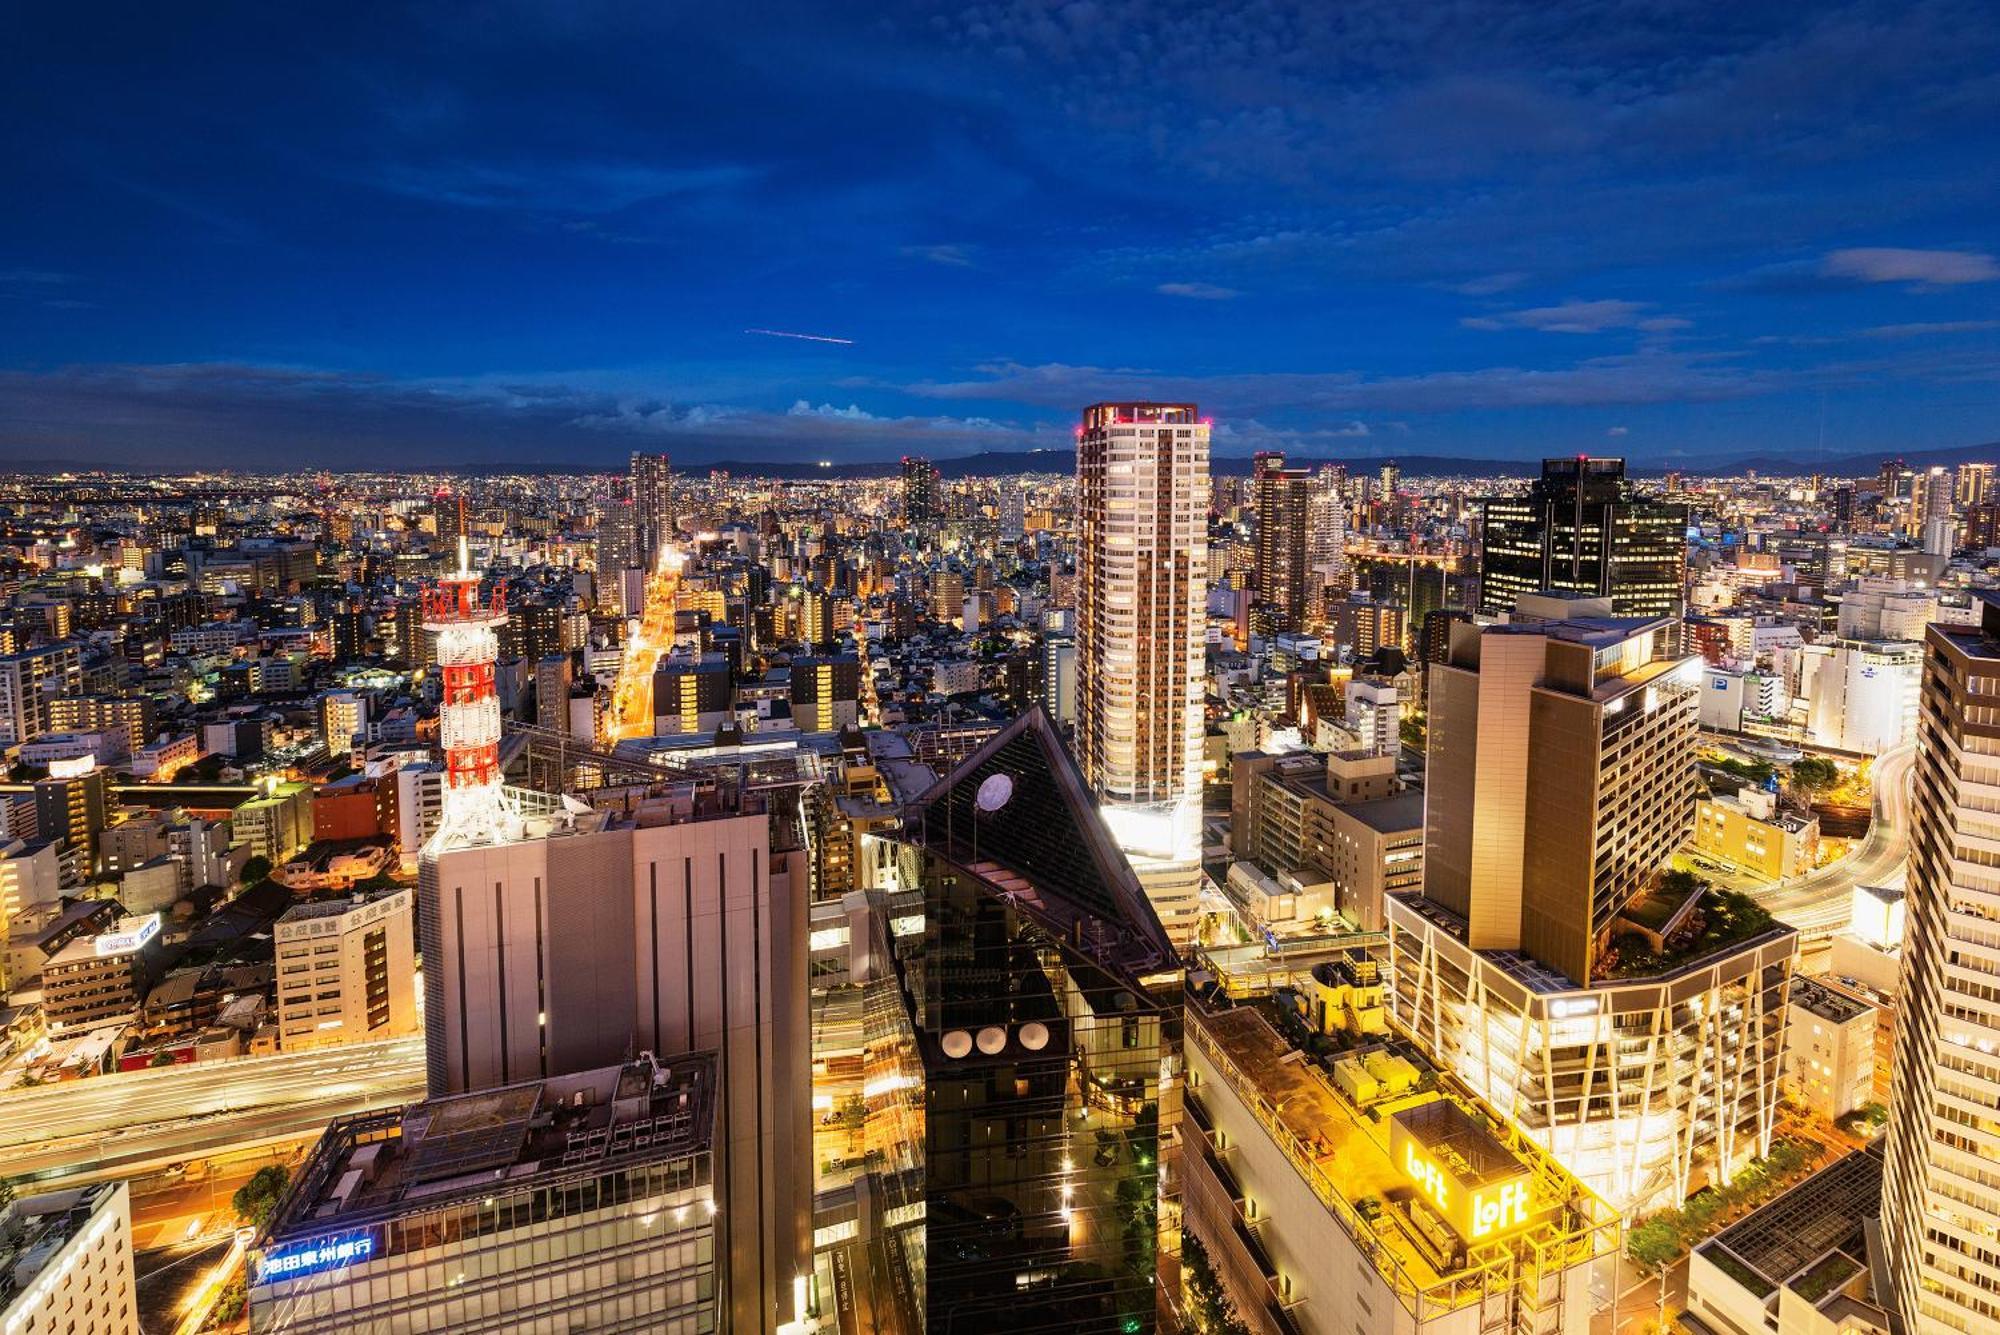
(1823, 1213)
(1348, 1149)
(1536, 976)
(375, 1166)
(1390, 815)
(1824, 1002)
(45, 1225)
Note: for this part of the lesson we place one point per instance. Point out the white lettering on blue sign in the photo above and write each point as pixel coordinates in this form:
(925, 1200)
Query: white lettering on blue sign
(323, 1254)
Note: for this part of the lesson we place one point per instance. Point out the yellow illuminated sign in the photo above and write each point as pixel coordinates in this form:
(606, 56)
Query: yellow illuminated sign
(1475, 1213)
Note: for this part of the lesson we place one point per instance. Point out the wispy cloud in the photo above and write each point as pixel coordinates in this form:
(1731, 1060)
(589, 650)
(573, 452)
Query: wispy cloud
(1579, 317)
(1487, 285)
(247, 414)
(1919, 268)
(955, 256)
(1198, 291)
(1928, 329)
(1650, 375)
(556, 186)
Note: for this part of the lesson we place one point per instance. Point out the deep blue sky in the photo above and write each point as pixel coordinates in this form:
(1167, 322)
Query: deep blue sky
(422, 234)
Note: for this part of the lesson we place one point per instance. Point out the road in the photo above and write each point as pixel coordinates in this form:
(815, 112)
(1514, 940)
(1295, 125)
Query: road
(126, 1122)
(1819, 903)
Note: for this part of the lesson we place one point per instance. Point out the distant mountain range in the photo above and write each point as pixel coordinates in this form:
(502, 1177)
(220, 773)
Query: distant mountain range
(997, 464)
(1000, 464)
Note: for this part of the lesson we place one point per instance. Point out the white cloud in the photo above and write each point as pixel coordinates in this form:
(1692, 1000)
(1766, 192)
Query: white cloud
(851, 413)
(1577, 317)
(1198, 291)
(1923, 268)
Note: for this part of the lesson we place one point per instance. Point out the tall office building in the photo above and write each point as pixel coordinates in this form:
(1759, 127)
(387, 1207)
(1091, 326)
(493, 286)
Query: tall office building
(1582, 730)
(1025, 1059)
(29, 680)
(1974, 485)
(1938, 1216)
(448, 515)
(1582, 529)
(1633, 1028)
(1930, 498)
(1142, 562)
(73, 806)
(583, 1202)
(346, 970)
(1282, 500)
(667, 924)
(1326, 529)
(652, 504)
(922, 503)
(560, 938)
(618, 548)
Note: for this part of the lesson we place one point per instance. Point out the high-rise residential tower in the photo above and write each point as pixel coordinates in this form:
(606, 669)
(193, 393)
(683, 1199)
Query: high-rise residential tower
(1582, 529)
(1931, 498)
(1142, 562)
(922, 506)
(1282, 499)
(652, 505)
(1938, 1213)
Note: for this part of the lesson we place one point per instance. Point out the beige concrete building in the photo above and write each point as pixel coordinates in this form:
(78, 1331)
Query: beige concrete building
(1830, 1049)
(1542, 962)
(1582, 730)
(1363, 1205)
(347, 971)
(672, 919)
(66, 1263)
(1940, 1214)
(1747, 830)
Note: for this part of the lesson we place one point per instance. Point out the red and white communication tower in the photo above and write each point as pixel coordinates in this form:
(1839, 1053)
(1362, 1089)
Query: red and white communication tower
(475, 807)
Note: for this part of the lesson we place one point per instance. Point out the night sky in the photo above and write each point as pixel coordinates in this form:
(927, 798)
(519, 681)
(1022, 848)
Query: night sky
(513, 233)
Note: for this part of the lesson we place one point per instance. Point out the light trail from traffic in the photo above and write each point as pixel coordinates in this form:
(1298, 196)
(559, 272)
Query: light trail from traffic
(631, 713)
(87, 1128)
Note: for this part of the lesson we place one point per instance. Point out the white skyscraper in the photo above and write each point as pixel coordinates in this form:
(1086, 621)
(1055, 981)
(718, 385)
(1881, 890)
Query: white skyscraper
(1939, 1217)
(1142, 563)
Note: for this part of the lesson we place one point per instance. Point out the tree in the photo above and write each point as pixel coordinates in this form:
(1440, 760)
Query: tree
(256, 869)
(1814, 774)
(256, 1199)
(1208, 1300)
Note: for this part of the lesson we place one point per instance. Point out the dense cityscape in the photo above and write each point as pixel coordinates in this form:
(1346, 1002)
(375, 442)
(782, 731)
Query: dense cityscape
(1018, 667)
(1150, 894)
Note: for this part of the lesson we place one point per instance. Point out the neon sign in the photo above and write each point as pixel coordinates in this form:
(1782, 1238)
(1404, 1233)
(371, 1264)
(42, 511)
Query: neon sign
(1479, 1203)
(328, 1253)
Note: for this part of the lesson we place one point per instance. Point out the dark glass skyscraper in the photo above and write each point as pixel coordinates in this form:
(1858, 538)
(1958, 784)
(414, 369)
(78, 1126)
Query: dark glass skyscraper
(1582, 529)
(1043, 999)
(1282, 498)
(921, 503)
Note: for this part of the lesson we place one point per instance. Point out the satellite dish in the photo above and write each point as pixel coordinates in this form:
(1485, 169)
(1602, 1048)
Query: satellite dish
(994, 792)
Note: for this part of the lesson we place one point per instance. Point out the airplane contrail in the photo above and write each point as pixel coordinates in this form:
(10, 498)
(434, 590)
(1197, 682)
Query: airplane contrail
(810, 338)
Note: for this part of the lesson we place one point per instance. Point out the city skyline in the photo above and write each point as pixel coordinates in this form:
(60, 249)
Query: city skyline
(1351, 233)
